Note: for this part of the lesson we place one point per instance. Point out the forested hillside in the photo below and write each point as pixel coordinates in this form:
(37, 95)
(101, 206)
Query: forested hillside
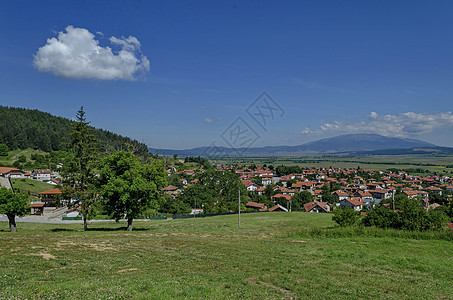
(22, 128)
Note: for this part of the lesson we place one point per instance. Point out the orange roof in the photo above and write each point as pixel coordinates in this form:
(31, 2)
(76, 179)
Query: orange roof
(51, 192)
(309, 206)
(355, 201)
(278, 207)
(287, 197)
(170, 188)
(255, 204)
(4, 170)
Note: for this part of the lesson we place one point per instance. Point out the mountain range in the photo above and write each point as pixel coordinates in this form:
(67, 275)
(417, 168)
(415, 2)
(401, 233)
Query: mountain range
(343, 144)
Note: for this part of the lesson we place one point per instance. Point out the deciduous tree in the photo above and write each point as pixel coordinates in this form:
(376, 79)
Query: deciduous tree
(13, 205)
(128, 186)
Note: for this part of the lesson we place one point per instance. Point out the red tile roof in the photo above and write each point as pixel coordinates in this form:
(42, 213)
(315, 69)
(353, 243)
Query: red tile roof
(51, 192)
(309, 206)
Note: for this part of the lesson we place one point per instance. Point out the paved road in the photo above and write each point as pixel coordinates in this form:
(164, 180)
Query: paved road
(53, 221)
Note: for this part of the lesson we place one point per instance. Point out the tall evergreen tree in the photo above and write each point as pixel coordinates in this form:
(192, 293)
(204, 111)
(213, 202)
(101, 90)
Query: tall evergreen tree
(79, 166)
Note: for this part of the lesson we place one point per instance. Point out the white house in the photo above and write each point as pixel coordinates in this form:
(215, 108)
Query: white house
(355, 203)
(41, 174)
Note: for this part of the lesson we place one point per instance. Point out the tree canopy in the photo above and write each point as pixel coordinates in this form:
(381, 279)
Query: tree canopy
(13, 205)
(129, 187)
(26, 128)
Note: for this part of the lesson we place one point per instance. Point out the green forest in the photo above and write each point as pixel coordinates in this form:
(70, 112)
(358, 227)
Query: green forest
(22, 128)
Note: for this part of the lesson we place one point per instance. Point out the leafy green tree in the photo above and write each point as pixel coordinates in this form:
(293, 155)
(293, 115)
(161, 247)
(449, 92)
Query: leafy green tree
(128, 186)
(269, 191)
(223, 189)
(4, 150)
(412, 216)
(22, 158)
(381, 217)
(197, 196)
(327, 195)
(435, 220)
(408, 216)
(257, 180)
(437, 198)
(299, 199)
(79, 167)
(345, 216)
(174, 205)
(13, 205)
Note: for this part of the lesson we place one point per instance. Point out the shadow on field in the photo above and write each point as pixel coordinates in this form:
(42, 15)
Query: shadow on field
(117, 229)
(93, 229)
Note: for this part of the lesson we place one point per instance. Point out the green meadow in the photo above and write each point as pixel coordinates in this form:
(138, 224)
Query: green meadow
(272, 256)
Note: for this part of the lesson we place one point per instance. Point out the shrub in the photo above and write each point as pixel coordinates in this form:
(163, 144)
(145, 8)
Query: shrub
(345, 216)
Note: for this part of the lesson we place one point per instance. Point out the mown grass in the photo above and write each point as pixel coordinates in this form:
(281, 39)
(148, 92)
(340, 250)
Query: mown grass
(272, 256)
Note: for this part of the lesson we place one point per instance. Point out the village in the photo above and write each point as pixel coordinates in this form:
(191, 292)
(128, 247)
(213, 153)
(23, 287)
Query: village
(328, 188)
(354, 188)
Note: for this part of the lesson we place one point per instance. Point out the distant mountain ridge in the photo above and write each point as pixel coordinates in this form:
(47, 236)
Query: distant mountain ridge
(340, 144)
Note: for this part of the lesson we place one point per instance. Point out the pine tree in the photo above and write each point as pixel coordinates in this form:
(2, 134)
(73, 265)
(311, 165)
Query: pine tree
(79, 167)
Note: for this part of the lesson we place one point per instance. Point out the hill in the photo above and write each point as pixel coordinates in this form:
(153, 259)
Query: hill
(338, 144)
(22, 128)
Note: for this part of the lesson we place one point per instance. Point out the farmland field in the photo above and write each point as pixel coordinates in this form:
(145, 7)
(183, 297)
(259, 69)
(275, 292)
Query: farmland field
(439, 164)
(272, 255)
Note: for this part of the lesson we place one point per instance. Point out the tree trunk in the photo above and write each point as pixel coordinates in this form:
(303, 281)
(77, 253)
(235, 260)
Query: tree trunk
(129, 224)
(85, 224)
(12, 223)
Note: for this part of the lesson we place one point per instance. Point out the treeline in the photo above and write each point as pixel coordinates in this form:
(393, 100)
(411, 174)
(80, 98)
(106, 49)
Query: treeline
(22, 128)
(197, 159)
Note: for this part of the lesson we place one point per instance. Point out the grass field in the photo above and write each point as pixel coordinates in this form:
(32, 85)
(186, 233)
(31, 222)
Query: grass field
(272, 256)
(31, 185)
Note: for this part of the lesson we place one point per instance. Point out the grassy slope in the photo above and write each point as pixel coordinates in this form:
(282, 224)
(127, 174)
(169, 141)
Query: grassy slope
(211, 258)
(31, 185)
(7, 161)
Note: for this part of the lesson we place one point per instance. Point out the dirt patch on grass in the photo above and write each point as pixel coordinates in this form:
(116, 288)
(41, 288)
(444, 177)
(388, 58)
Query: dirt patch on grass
(255, 282)
(127, 270)
(43, 255)
(100, 246)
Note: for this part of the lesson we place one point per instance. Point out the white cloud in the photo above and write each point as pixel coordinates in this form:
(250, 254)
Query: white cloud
(211, 120)
(77, 54)
(398, 125)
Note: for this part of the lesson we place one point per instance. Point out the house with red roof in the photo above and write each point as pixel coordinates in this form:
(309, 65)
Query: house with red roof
(355, 203)
(8, 172)
(317, 206)
(51, 197)
(256, 205)
(41, 174)
(278, 207)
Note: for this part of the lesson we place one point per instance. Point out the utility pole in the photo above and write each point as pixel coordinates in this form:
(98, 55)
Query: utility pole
(393, 199)
(239, 210)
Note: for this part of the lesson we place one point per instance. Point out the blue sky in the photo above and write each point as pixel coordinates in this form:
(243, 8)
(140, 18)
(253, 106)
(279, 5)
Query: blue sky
(177, 74)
